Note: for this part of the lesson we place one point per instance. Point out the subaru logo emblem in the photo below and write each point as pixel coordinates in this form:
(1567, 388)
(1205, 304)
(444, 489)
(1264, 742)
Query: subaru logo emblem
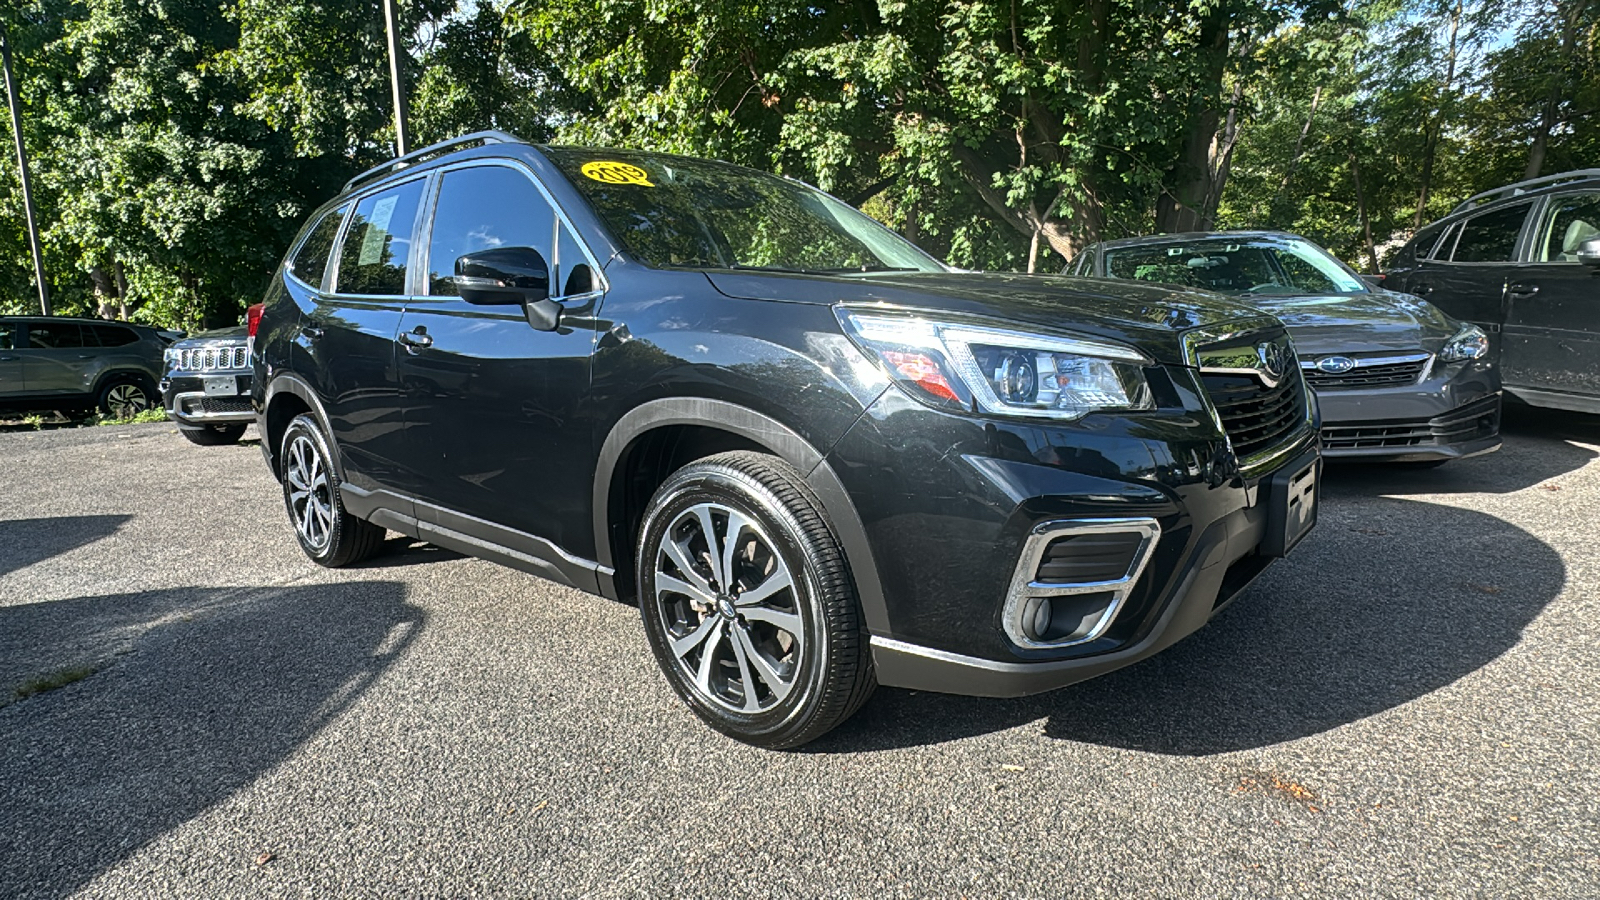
(1276, 361)
(1336, 365)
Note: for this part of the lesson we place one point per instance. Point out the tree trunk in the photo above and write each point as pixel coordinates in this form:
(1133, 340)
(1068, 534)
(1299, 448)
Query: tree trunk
(104, 293)
(1361, 210)
(122, 289)
(1557, 88)
(1294, 161)
(1432, 132)
(1183, 207)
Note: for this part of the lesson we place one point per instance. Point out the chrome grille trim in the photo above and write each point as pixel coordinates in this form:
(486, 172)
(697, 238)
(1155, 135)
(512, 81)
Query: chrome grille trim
(205, 360)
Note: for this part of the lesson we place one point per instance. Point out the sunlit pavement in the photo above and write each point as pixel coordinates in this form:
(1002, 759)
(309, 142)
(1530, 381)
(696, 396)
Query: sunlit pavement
(1410, 706)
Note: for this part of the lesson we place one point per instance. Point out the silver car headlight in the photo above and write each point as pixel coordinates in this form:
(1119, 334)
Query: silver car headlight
(1469, 343)
(999, 371)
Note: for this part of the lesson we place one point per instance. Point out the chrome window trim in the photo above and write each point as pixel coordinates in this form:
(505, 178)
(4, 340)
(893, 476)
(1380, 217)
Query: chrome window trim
(1023, 586)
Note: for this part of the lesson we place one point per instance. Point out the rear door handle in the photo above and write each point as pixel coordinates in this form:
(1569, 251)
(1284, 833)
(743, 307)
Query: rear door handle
(1522, 290)
(310, 332)
(1422, 290)
(86, 356)
(417, 337)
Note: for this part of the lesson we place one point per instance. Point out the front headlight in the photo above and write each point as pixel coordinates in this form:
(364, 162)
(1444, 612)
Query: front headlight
(999, 371)
(1469, 343)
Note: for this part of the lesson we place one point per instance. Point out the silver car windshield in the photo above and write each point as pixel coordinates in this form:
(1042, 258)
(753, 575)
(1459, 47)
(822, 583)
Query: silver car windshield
(1237, 266)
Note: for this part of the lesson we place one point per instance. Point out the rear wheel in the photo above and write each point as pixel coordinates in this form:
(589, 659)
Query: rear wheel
(327, 533)
(213, 435)
(124, 398)
(748, 602)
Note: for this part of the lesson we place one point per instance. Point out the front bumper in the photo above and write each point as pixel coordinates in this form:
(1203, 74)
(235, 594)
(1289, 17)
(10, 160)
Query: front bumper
(188, 403)
(1453, 413)
(946, 532)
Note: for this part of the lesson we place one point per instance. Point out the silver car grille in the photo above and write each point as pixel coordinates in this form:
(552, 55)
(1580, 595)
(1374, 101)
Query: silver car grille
(1367, 372)
(211, 359)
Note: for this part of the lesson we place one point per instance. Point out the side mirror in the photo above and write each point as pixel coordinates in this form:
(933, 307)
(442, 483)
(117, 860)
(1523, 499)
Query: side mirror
(1374, 280)
(505, 275)
(1589, 252)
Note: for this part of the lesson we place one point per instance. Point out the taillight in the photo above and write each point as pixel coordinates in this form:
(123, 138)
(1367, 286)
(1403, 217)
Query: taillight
(252, 318)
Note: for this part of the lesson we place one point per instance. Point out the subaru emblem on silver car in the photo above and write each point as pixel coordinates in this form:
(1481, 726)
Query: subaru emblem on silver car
(1336, 365)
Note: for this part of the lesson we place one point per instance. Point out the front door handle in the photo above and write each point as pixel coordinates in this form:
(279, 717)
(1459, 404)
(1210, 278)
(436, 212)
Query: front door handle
(417, 337)
(1522, 290)
(310, 332)
(8, 359)
(1422, 290)
(86, 356)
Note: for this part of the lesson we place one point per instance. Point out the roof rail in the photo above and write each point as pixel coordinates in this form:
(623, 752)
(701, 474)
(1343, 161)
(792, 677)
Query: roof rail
(1522, 187)
(430, 151)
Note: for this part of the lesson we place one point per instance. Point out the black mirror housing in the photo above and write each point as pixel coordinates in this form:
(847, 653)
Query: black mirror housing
(503, 275)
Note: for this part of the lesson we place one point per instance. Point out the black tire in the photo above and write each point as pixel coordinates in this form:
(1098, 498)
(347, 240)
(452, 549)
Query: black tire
(782, 538)
(213, 435)
(326, 532)
(124, 396)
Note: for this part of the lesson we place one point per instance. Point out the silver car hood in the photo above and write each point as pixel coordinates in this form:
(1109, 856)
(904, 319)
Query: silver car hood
(1376, 322)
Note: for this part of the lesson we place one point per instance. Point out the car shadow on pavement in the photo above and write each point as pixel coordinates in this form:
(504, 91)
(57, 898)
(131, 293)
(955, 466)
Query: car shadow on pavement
(1384, 603)
(190, 695)
(407, 551)
(24, 542)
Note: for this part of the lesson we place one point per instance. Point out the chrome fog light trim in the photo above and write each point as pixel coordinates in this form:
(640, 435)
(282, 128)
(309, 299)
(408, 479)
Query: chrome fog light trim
(1024, 587)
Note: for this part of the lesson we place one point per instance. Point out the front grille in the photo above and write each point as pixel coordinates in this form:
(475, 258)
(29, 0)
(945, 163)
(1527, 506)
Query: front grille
(1475, 420)
(1089, 557)
(1256, 417)
(213, 359)
(218, 405)
(1367, 376)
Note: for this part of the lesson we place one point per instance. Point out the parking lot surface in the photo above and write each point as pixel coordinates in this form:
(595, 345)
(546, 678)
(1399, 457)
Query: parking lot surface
(1409, 706)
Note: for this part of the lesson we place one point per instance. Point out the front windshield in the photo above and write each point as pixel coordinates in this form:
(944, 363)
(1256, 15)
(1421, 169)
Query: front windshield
(675, 212)
(1237, 266)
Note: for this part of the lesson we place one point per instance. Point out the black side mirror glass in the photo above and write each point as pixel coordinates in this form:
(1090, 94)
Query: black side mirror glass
(503, 275)
(1589, 252)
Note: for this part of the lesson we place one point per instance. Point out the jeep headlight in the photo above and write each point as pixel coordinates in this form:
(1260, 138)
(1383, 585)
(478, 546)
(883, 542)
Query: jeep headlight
(999, 371)
(1469, 343)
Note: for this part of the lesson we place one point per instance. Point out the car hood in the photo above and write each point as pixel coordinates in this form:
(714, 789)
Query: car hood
(235, 334)
(1376, 322)
(1148, 317)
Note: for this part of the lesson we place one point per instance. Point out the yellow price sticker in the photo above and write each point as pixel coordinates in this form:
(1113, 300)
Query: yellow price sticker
(616, 173)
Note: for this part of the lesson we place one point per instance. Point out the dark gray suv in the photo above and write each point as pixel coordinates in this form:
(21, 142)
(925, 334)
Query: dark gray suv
(55, 362)
(1523, 263)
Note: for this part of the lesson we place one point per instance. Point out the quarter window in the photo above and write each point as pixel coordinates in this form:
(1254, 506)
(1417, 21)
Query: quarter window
(483, 208)
(54, 335)
(1491, 237)
(1569, 222)
(312, 258)
(112, 336)
(378, 241)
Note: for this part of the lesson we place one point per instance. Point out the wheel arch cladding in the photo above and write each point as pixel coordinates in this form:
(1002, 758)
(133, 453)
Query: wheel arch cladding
(655, 439)
(286, 398)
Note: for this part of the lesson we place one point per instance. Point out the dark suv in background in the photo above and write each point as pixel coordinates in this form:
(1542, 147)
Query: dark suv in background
(206, 387)
(72, 365)
(815, 457)
(1523, 263)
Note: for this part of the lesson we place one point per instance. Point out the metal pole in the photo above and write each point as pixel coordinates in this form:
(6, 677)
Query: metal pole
(22, 170)
(402, 131)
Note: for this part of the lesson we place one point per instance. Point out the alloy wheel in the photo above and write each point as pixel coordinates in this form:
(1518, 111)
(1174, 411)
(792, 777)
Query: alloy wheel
(310, 494)
(728, 603)
(126, 401)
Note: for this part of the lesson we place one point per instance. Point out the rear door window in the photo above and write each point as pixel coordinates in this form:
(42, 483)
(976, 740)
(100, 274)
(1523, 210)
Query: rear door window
(378, 242)
(1568, 222)
(484, 208)
(54, 335)
(1491, 237)
(311, 260)
(8, 336)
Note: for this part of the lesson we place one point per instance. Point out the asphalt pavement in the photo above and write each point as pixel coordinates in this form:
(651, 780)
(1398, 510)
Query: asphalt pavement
(1407, 707)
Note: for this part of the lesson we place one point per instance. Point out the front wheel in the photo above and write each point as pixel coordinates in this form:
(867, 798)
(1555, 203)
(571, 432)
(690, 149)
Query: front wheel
(124, 398)
(748, 602)
(327, 533)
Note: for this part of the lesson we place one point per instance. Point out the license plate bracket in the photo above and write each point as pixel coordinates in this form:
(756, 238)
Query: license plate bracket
(1293, 495)
(221, 386)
